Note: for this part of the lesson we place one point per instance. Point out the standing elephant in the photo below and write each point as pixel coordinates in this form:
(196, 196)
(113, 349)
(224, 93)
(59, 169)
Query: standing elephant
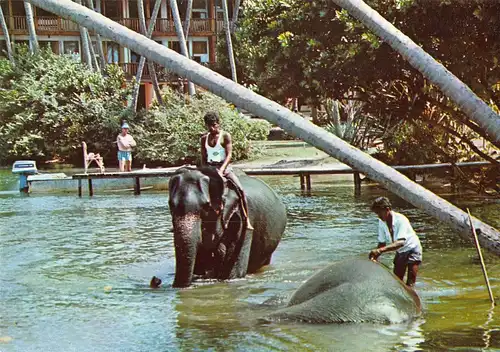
(210, 235)
(351, 291)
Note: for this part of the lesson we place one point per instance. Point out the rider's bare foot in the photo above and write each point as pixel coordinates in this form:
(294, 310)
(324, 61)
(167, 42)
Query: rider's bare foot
(249, 226)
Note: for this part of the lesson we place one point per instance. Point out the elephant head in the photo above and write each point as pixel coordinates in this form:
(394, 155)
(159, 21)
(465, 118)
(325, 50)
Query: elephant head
(201, 208)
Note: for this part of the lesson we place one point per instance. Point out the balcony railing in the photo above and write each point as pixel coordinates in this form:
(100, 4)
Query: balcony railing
(163, 74)
(163, 25)
(42, 24)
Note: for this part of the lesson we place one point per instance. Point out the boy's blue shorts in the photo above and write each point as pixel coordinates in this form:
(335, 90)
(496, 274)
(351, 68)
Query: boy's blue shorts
(125, 156)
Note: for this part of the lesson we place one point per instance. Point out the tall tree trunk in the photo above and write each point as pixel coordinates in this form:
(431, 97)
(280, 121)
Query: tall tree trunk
(30, 22)
(142, 60)
(85, 55)
(100, 48)
(229, 42)
(394, 181)
(236, 12)
(189, 10)
(5, 31)
(456, 90)
(95, 62)
(182, 39)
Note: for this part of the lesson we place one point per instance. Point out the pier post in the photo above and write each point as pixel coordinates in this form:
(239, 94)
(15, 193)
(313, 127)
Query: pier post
(308, 180)
(137, 186)
(357, 183)
(80, 187)
(91, 189)
(302, 183)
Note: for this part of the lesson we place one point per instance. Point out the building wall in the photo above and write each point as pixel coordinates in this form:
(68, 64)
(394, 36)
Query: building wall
(63, 36)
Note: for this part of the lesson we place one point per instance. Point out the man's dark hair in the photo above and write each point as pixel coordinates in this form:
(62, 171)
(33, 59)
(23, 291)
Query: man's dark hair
(381, 203)
(211, 118)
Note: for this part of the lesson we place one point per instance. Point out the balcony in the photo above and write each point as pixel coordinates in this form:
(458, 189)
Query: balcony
(43, 25)
(163, 26)
(163, 74)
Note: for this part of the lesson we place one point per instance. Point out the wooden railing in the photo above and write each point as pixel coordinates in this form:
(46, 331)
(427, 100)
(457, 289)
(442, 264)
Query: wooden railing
(163, 74)
(163, 25)
(42, 24)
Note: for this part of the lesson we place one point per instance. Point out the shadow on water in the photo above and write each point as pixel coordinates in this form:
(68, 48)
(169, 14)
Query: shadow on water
(75, 273)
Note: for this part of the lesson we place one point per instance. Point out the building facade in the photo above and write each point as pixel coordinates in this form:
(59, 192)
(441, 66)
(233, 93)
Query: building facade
(63, 36)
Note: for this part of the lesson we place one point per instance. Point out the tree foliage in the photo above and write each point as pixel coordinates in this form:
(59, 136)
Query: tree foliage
(172, 133)
(314, 50)
(49, 104)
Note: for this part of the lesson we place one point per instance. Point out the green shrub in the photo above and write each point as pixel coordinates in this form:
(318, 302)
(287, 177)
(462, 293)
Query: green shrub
(49, 104)
(171, 134)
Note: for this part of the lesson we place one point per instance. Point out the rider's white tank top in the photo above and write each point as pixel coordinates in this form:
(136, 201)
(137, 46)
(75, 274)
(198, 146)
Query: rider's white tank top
(216, 154)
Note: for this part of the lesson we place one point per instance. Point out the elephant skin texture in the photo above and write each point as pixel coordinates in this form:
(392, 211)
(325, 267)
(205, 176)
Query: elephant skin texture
(351, 291)
(210, 235)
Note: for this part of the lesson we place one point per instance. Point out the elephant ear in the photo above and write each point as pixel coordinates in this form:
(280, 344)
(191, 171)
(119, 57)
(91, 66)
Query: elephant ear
(216, 186)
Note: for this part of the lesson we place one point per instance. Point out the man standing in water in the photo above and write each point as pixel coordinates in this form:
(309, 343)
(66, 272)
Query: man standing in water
(216, 150)
(395, 233)
(125, 144)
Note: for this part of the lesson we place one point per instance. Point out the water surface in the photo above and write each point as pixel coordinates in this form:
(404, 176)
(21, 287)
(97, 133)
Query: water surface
(75, 272)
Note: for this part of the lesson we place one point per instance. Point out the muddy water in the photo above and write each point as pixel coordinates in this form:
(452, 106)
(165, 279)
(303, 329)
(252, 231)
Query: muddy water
(74, 277)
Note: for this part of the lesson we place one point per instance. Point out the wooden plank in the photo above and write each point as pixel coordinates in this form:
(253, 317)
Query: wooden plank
(340, 169)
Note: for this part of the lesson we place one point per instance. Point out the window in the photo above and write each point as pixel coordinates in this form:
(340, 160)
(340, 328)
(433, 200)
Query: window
(112, 9)
(71, 48)
(134, 57)
(113, 53)
(53, 46)
(200, 51)
(200, 48)
(174, 45)
(132, 9)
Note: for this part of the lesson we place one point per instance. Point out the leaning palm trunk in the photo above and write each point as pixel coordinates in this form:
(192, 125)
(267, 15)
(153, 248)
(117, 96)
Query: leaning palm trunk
(5, 31)
(189, 10)
(142, 60)
(229, 41)
(182, 39)
(460, 93)
(100, 49)
(30, 22)
(293, 123)
(86, 57)
(236, 11)
(95, 62)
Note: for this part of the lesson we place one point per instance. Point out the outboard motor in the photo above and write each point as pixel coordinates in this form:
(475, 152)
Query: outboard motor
(24, 168)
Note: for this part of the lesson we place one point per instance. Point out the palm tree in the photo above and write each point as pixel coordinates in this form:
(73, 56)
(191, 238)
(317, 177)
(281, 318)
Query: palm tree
(100, 49)
(182, 39)
(236, 11)
(460, 93)
(30, 22)
(394, 181)
(229, 41)
(86, 56)
(95, 62)
(142, 60)
(5, 31)
(189, 10)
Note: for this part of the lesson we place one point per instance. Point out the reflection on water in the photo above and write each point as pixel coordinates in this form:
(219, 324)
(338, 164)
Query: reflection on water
(75, 276)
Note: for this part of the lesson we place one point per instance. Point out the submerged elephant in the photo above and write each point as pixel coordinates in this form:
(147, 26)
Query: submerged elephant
(210, 235)
(354, 290)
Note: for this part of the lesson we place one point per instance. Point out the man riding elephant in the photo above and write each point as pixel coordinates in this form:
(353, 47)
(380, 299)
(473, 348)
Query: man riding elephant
(216, 151)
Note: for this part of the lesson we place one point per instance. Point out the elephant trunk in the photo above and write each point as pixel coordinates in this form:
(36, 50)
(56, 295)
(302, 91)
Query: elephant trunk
(187, 237)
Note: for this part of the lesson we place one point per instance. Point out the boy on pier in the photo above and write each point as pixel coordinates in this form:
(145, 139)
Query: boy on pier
(125, 144)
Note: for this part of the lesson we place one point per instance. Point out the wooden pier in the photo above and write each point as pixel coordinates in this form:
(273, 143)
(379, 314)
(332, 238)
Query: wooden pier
(304, 173)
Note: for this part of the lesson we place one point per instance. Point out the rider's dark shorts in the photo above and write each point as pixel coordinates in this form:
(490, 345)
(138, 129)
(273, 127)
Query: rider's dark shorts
(410, 257)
